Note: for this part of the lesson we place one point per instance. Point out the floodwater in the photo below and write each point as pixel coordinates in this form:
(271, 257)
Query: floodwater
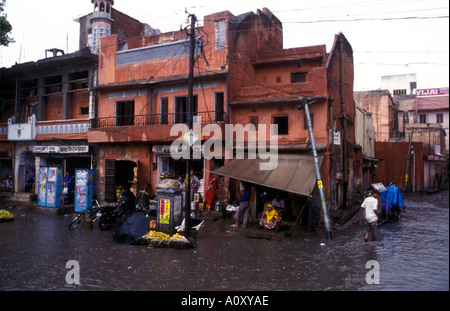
(413, 254)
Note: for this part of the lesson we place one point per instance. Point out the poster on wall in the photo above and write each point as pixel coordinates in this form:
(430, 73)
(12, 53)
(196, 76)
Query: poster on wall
(41, 186)
(164, 211)
(83, 189)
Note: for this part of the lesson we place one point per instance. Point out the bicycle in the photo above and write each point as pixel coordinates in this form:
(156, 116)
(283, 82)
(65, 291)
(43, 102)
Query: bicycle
(90, 212)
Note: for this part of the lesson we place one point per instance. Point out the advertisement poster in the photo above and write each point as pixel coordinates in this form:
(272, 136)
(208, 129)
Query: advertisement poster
(51, 193)
(41, 185)
(83, 189)
(52, 174)
(164, 211)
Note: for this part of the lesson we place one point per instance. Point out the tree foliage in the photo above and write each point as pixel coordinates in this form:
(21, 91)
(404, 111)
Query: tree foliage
(5, 27)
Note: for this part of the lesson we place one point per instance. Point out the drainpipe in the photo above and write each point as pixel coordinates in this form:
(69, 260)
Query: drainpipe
(228, 98)
(413, 173)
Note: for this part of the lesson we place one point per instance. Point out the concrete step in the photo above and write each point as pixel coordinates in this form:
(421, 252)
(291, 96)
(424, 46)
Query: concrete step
(23, 197)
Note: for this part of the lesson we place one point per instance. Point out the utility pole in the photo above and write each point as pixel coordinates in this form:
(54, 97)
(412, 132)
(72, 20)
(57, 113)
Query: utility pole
(408, 161)
(187, 207)
(326, 219)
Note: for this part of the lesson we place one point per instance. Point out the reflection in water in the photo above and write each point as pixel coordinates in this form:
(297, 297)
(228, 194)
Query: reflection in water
(413, 255)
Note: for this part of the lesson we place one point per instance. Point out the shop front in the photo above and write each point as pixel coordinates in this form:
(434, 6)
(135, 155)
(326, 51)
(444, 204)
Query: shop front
(29, 157)
(121, 166)
(6, 165)
(292, 181)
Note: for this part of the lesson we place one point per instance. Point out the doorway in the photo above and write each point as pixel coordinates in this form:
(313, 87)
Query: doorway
(119, 173)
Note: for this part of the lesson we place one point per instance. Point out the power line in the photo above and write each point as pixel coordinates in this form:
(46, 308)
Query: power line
(367, 19)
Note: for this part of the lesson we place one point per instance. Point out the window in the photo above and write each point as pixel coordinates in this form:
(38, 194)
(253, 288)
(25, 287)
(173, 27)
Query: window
(53, 84)
(218, 106)
(220, 35)
(298, 77)
(181, 108)
(84, 110)
(278, 79)
(411, 117)
(164, 109)
(254, 120)
(399, 92)
(423, 118)
(79, 80)
(283, 124)
(305, 121)
(400, 115)
(439, 118)
(125, 113)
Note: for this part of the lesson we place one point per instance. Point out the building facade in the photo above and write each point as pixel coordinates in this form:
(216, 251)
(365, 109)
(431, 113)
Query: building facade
(384, 113)
(433, 110)
(49, 101)
(122, 108)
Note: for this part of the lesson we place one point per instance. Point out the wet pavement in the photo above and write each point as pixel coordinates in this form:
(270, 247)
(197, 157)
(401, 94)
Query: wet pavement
(413, 254)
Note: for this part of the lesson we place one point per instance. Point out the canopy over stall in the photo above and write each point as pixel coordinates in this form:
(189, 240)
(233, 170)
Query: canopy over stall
(295, 172)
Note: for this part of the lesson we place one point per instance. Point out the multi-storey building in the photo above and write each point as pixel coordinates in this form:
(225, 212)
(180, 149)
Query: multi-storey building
(242, 75)
(48, 116)
(136, 90)
(384, 113)
(432, 110)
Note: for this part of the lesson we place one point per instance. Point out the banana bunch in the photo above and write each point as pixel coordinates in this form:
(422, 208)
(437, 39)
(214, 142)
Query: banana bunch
(158, 235)
(4, 214)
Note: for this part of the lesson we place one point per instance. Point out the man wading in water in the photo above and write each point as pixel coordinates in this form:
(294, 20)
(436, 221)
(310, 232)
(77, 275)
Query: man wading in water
(370, 205)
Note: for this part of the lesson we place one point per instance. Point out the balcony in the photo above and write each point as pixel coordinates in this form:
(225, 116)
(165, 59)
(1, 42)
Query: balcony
(152, 127)
(63, 129)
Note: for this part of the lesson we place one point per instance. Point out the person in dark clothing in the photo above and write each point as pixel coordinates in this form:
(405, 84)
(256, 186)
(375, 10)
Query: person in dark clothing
(244, 209)
(129, 198)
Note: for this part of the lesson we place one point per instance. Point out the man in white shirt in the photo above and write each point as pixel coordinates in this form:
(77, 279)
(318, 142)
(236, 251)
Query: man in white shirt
(370, 205)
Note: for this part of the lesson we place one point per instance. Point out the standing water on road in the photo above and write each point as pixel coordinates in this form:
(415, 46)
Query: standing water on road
(413, 254)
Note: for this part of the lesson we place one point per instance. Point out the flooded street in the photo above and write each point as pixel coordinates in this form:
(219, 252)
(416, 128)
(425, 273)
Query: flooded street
(413, 254)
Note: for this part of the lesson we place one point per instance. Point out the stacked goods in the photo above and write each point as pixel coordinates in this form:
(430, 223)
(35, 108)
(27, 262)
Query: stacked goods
(158, 239)
(168, 184)
(179, 241)
(158, 235)
(178, 237)
(6, 216)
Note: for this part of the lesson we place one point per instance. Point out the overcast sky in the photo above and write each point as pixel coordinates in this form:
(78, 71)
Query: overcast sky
(388, 36)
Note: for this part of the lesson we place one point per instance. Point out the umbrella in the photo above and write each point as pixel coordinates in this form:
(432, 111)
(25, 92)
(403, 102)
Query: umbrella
(131, 229)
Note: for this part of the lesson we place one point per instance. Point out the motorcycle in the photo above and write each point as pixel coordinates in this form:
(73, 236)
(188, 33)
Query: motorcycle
(112, 215)
(145, 203)
(91, 212)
